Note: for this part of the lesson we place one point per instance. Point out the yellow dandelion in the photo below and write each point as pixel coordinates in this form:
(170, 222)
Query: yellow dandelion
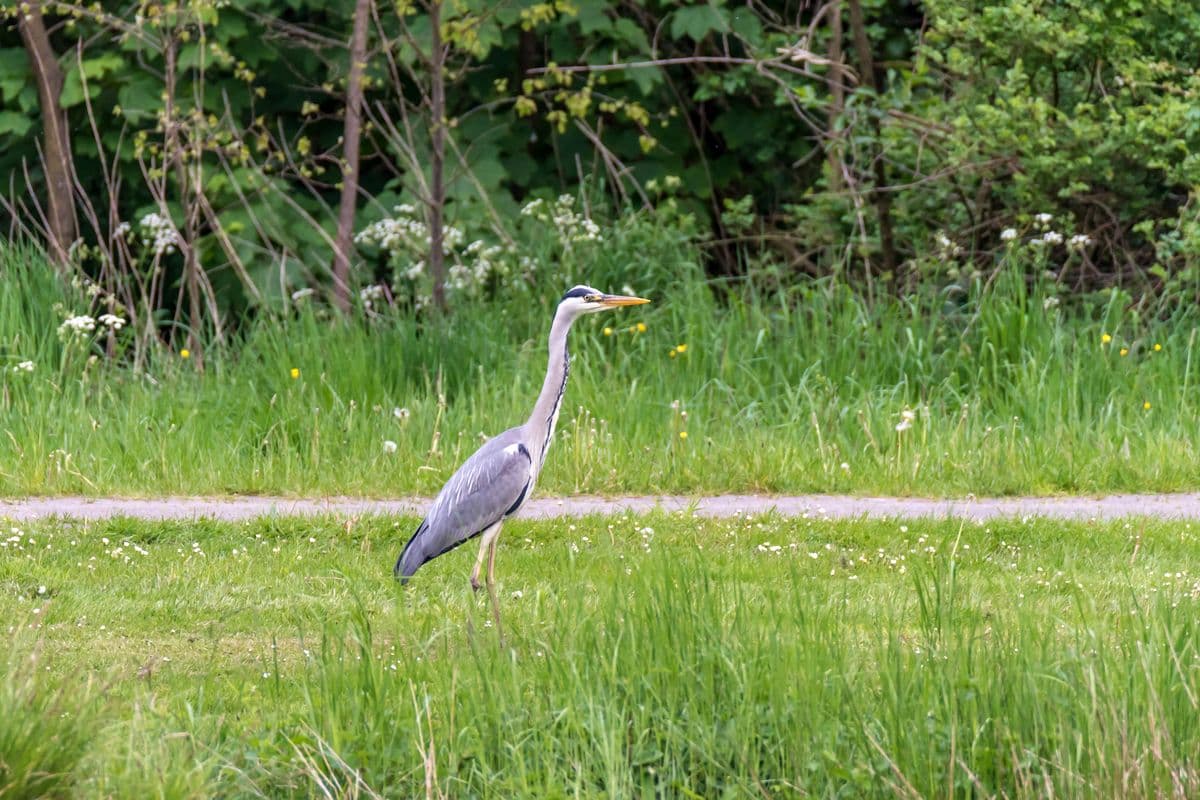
(683, 434)
(1105, 339)
(1157, 347)
(672, 353)
(1124, 351)
(185, 353)
(607, 331)
(681, 348)
(641, 327)
(1146, 405)
(295, 373)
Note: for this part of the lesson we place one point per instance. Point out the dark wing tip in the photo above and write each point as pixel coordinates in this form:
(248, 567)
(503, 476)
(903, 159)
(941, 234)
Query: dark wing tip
(404, 570)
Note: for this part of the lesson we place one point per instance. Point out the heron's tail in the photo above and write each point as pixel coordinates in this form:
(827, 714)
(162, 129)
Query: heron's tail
(411, 557)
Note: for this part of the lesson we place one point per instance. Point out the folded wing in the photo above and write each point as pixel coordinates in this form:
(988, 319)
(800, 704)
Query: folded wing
(489, 486)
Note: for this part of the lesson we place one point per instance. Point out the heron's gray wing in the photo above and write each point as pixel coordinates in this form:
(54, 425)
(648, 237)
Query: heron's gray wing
(486, 488)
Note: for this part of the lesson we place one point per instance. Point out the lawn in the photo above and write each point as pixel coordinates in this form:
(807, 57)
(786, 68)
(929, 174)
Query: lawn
(644, 656)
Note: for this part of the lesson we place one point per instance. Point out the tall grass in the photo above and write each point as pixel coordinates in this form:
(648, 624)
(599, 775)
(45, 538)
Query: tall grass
(682, 684)
(46, 722)
(788, 391)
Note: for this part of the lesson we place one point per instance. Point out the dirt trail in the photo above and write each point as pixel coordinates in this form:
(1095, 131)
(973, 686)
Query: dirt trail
(1165, 506)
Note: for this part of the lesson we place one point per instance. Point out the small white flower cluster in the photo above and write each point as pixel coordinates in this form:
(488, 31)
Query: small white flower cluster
(405, 239)
(1048, 238)
(122, 230)
(572, 227)
(159, 234)
(946, 247)
(907, 417)
(112, 321)
(369, 295)
(404, 233)
(23, 366)
(478, 264)
(1076, 242)
(80, 325)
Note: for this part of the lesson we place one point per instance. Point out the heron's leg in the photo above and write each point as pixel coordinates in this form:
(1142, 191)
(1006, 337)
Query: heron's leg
(491, 583)
(485, 541)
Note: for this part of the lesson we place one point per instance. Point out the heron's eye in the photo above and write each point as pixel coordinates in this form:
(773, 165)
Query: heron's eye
(592, 298)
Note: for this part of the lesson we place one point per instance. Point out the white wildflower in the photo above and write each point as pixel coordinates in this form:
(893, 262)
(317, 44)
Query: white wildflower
(112, 321)
(1044, 218)
(80, 325)
(1049, 303)
(1079, 241)
(159, 234)
(532, 207)
(24, 366)
(1052, 237)
(369, 295)
(1008, 234)
(401, 413)
(389, 446)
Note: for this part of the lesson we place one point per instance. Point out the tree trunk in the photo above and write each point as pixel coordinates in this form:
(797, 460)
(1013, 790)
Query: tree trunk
(351, 139)
(837, 94)
(61, 225)
(879, 194)
(437, 128)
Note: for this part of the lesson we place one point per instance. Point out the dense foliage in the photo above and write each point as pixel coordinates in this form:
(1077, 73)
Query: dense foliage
(875, 139)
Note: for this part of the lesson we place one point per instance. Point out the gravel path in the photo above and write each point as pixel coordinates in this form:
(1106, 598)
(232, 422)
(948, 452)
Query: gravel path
(1165, 506)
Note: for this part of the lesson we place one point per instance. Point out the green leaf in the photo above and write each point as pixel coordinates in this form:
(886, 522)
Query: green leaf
(140, 98)
(94, 70)
(697, 22)
(628, 31)
(747, 25)
(14, 73)
(12, 122)
(592, 17)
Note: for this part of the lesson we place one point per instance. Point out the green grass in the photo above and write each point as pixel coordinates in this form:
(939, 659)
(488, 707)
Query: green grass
(791, 391)
(646, 657)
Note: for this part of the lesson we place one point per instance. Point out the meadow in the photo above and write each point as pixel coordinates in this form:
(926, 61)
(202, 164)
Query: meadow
(644, 657)
(993, 384)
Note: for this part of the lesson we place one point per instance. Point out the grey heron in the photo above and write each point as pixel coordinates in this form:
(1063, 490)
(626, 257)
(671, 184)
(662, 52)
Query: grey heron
(495, 482)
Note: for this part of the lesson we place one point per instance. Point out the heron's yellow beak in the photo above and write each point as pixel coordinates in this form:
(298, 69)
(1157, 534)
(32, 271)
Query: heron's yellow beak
(616, 300)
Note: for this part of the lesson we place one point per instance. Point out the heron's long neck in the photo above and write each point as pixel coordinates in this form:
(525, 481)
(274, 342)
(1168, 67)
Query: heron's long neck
(549, 403)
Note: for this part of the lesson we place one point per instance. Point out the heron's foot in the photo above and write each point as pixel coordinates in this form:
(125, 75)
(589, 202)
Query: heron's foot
(475, 584)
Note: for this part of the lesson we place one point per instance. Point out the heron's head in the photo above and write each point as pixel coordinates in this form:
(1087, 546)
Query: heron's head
(586, 300)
